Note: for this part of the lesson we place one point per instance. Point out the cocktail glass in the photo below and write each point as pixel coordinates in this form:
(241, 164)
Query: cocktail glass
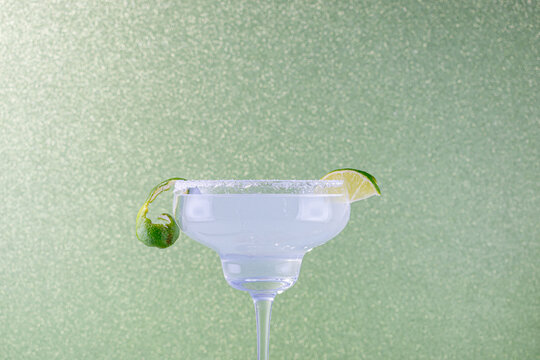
(261, 230)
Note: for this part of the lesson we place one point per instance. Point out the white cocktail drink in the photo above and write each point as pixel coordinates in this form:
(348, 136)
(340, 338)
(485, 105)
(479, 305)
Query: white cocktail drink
(262, 238)
(261, 230)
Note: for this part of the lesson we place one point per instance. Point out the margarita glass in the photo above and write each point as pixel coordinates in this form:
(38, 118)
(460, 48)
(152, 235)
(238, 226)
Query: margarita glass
(261, 230)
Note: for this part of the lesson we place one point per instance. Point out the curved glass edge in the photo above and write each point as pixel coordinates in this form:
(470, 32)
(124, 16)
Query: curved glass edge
(259, 187)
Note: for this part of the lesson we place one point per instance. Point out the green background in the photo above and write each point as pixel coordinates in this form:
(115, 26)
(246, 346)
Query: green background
(439, 100)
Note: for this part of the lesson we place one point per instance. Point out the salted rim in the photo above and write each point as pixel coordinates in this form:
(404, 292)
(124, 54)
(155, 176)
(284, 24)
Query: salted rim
(296, 186)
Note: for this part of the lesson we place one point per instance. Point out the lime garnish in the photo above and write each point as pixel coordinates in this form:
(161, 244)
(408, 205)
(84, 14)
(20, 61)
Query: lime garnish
(357, 184)
(161, 235)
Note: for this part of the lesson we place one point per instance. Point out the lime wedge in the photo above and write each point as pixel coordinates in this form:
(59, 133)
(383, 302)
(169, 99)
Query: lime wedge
(358, 184)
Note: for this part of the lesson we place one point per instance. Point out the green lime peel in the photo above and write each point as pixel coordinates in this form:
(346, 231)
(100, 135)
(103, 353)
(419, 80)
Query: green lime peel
(160, 235)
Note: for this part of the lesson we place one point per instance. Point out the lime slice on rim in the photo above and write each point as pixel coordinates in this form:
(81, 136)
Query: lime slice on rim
(358, 184)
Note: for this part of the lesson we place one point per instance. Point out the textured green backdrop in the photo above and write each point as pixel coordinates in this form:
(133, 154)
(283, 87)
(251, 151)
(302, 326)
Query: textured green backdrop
(438, 99)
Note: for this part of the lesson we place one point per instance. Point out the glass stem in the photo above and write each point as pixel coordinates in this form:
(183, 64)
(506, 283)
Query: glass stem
(263, 310)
